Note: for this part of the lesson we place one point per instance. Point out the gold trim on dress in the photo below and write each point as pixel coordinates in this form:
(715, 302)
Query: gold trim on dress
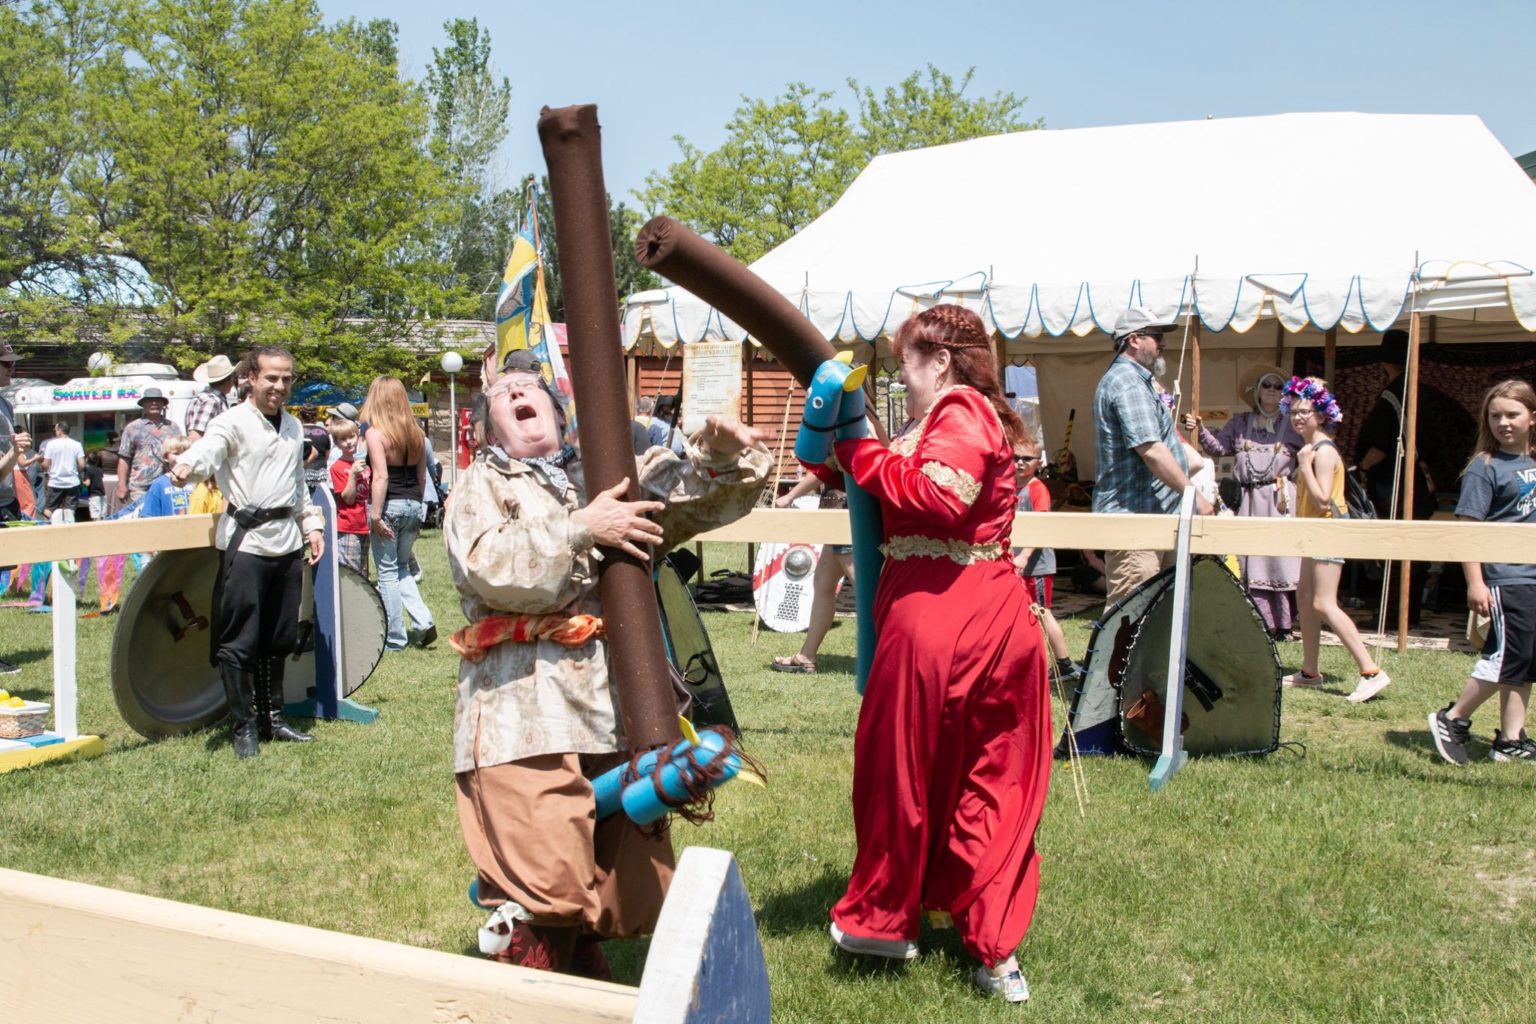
(962, 552)
(965, 486)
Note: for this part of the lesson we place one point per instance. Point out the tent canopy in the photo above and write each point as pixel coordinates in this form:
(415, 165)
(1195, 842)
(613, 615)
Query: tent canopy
(1320, 221)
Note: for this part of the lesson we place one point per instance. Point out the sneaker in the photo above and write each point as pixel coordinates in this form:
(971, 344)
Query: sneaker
(891, 949)
(1369, 686)
(1303, 680)
(1450, 735)
(1005, 980)
(1522, 749)
(8, 669)
(427, 637)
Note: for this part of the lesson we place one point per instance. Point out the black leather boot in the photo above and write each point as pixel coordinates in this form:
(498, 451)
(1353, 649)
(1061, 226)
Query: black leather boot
(276, 727)
(239, 690)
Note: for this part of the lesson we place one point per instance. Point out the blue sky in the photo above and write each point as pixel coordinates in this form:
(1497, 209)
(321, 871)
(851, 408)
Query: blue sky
(664, 69)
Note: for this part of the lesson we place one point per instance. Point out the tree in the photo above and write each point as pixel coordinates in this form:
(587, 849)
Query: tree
(912, 115)
(786, 160)
(277, 186)
(469, 124)
(52, 163)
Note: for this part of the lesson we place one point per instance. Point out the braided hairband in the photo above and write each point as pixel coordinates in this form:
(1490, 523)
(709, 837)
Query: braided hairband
(1313, 391)
(953, 317)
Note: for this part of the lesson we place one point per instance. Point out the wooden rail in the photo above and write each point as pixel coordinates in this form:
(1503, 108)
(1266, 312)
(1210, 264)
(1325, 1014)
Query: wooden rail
(1426, 541)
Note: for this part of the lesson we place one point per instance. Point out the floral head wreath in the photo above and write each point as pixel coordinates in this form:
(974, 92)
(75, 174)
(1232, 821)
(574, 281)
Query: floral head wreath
(1313, 391)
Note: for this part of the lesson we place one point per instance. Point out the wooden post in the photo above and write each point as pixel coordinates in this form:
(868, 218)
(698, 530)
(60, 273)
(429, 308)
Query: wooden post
(746, 358)
(1410, 459)
(1279, 340)
(632, 371)
(1194, 373)
(1330, 354)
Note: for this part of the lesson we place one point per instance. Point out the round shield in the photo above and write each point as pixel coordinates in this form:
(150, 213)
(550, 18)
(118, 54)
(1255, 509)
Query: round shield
(161, 679)
(782, 585)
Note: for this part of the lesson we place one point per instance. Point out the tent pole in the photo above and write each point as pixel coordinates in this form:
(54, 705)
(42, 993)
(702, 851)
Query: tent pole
(632, 371)
(1330, 354)
(1279, 340)
(1194, 373)
(1410, 459)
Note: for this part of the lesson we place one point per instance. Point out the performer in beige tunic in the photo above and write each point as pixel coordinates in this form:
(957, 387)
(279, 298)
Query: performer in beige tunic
(537, 717)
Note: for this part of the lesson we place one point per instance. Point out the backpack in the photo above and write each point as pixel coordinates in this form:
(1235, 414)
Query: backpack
(1357, 499)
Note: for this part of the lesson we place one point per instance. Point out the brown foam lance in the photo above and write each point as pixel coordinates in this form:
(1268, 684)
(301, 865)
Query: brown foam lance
(573, 152)
(675, 252)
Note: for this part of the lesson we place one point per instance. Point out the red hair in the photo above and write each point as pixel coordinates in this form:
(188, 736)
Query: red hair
(961, 332)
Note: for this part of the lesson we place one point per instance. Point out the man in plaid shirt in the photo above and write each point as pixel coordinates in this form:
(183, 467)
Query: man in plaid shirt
(219, 374)
(1141, 465)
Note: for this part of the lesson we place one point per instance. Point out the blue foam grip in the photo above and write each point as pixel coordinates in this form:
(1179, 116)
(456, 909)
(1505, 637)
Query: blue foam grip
(641, 802)
(823, 402)
(865, 522)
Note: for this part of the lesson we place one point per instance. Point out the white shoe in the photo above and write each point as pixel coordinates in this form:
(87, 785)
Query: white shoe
(1369, 686)
(1005, 980)
(1301, 681)
(891, 949)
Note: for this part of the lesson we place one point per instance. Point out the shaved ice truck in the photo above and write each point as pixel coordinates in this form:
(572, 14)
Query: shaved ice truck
(97, 408)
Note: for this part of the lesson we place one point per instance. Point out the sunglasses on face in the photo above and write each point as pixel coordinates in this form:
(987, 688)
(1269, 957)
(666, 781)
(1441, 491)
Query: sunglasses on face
(1271, 386)
(1024, 460)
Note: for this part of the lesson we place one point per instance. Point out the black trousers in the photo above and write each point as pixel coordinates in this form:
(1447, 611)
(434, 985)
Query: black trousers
(260, 611)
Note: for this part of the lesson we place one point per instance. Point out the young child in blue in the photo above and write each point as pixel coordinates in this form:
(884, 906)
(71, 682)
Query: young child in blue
(164, 498)
(1498, 486)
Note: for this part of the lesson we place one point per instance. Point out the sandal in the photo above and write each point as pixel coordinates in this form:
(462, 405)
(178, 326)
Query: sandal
(793, 663)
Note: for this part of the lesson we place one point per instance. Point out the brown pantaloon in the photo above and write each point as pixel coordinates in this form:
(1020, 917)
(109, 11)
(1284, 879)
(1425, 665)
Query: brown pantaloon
(530, 829)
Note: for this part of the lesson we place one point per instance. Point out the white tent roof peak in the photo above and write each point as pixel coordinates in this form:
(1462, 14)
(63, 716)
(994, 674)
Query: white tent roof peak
(1319, 219)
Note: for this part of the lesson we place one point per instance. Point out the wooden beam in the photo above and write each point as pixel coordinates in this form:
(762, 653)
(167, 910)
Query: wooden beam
(29, 545)
(1427, 540)
(1330, 354)
(1279, 340)
(173, 961)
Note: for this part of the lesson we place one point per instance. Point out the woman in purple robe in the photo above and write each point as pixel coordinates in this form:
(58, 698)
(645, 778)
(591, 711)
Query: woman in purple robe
(1263, 448)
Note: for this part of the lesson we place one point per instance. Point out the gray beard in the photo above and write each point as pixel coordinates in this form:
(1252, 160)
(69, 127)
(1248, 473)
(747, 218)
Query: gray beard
(1159, 366)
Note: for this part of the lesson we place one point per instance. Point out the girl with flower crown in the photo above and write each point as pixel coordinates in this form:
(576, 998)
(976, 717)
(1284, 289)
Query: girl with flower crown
(1320, 495)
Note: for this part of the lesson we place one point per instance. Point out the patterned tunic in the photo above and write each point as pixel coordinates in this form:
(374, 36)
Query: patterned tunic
(516, 545)
(1263, 451)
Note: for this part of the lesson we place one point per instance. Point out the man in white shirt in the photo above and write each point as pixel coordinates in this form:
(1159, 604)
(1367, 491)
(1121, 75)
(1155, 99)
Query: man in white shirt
(63, 461)
(253, 451)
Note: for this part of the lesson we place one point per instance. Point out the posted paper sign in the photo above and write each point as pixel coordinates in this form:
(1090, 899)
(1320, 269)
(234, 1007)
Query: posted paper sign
(711, 382)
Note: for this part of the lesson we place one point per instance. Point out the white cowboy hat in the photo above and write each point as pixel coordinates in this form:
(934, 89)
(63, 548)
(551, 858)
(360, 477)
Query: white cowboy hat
(214, 370)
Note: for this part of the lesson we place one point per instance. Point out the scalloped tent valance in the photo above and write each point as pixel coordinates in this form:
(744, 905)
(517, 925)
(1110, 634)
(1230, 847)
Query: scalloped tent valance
(1319, 221)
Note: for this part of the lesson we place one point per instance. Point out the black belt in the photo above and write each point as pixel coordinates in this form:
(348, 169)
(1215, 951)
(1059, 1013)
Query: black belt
(245, 521)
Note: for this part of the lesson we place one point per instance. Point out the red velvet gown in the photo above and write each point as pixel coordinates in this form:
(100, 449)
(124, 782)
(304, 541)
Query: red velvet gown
(953, 750)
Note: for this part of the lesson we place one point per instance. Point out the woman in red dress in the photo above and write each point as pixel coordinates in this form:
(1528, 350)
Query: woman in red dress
(952, 754)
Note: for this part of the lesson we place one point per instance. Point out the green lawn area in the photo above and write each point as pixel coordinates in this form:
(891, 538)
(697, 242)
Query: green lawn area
(1351, 876)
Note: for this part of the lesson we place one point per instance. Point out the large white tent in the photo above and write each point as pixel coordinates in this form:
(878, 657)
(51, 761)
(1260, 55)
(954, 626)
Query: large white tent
(1266, 232)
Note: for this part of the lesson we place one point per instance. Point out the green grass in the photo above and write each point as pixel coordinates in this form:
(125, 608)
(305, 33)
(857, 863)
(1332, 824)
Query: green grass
(1359, 879)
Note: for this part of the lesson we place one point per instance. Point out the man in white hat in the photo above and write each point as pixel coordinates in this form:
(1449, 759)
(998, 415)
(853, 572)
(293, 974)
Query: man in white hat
(219, 374)
(139, 449)
(1141, 463)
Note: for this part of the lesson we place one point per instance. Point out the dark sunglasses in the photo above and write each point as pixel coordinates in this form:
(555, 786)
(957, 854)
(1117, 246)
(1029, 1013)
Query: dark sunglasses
(1024, 460)
(1267, 386)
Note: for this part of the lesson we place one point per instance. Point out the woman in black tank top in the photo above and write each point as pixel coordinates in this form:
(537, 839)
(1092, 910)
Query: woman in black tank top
(397, 454)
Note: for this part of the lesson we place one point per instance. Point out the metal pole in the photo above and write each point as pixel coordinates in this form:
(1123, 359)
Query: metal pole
(453, 433)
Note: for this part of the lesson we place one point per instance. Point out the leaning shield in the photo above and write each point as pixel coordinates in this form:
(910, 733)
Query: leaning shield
(1231, 676)
(161, 679)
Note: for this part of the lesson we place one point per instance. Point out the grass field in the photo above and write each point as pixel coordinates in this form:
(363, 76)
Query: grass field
(1355, 879)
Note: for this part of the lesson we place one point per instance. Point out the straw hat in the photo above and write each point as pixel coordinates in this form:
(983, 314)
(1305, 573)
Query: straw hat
(214, 370)
(1248, 384)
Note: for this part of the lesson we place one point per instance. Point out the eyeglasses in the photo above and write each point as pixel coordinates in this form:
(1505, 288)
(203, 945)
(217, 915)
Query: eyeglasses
(1301, 412)
(1267, 386)
(1024, 460)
